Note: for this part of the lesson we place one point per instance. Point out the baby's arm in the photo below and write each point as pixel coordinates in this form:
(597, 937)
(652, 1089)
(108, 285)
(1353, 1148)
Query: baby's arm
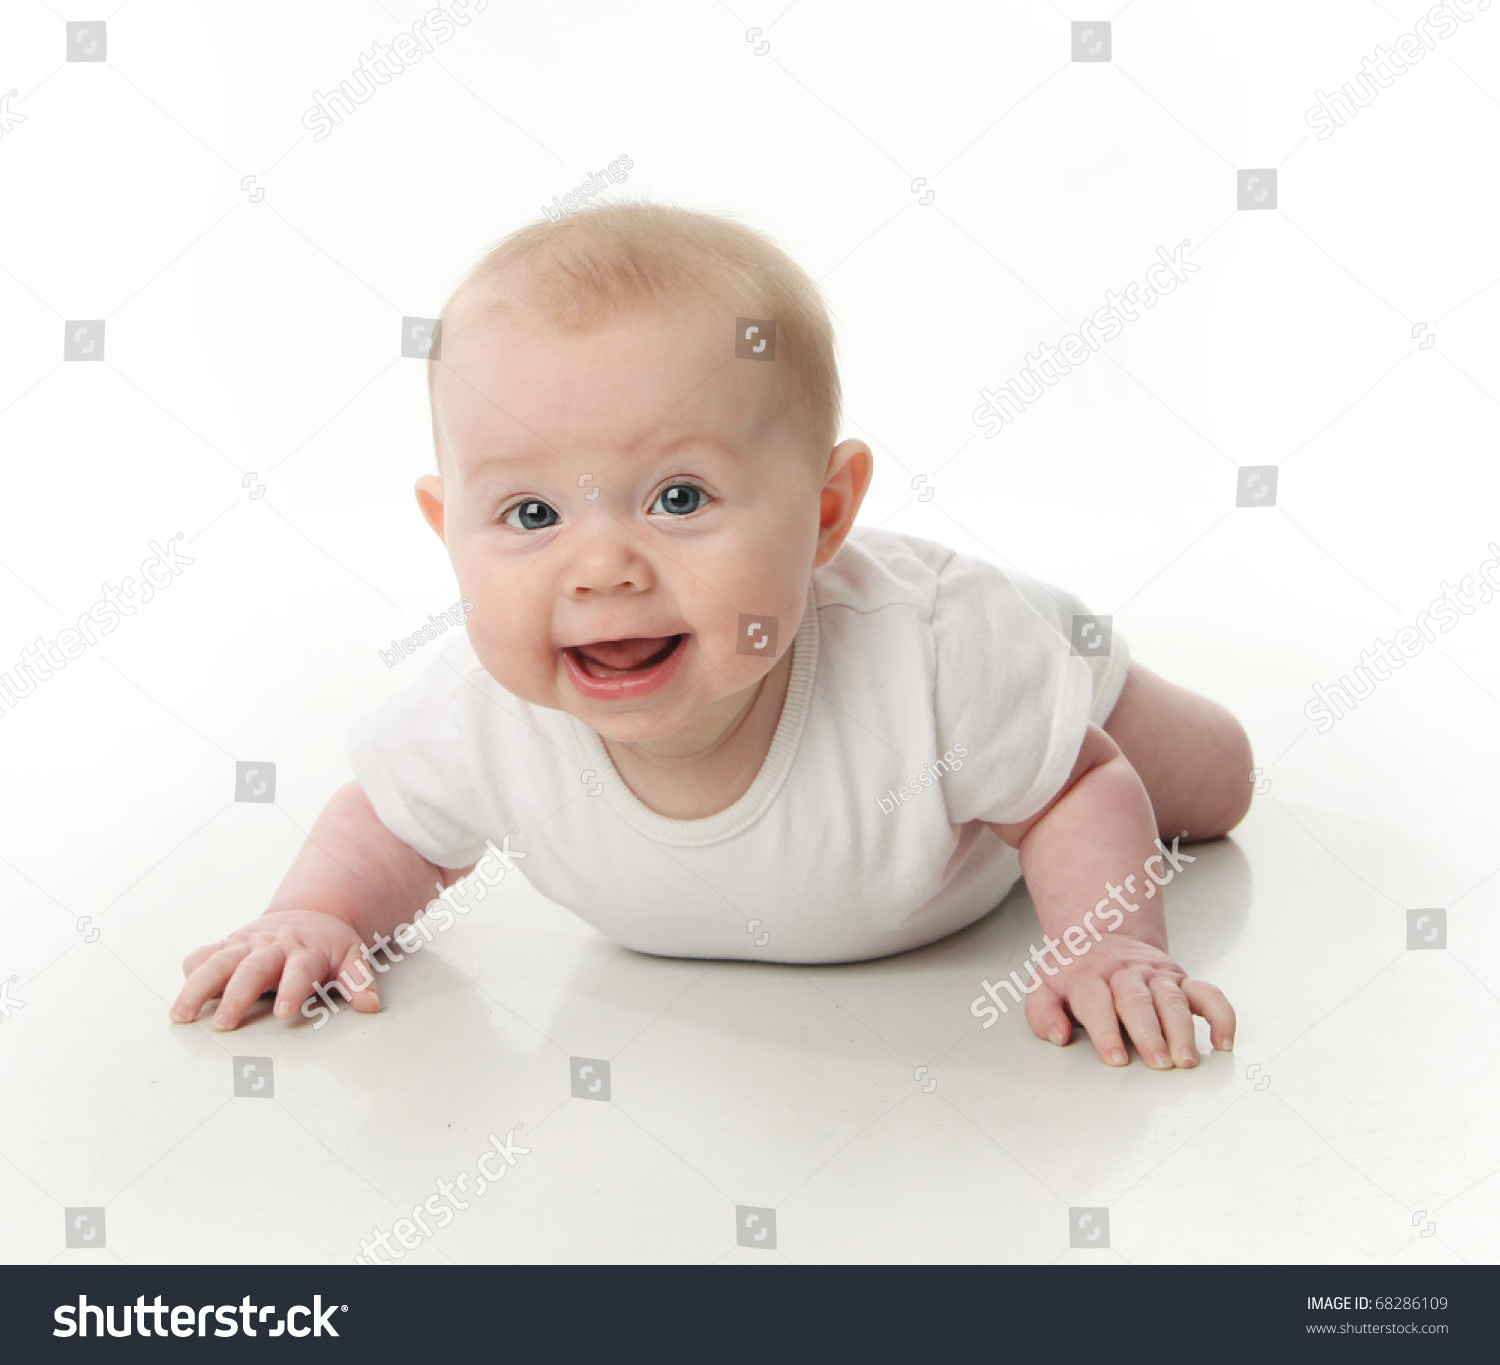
(351, 881)
(1084, 858)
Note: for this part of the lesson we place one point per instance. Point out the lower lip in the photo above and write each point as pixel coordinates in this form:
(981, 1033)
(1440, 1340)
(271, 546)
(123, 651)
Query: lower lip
(625, 686)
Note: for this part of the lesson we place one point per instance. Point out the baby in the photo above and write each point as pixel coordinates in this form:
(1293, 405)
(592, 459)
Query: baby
(719, 718)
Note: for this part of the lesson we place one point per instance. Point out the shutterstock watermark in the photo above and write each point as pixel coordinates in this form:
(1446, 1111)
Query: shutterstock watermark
(1008, 402)
(444, 908)
(384, 61)
(436, 625)
(1331, 112)
(46, 658)
(188, 1320)
(405, 1230)
(1075, 938)
(1331, 703)
(599, 181)
(9, 117)
(950, 762)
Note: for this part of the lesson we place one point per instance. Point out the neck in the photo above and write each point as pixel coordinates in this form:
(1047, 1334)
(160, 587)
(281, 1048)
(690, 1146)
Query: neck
(715, 767)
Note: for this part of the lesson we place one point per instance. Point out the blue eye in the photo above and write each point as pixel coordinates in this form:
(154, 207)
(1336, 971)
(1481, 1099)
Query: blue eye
(681, 499)
(533, 515)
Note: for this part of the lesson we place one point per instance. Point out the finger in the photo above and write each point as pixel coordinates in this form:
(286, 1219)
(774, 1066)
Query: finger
(1209, 1001)
(304, 968)
(355, 969)
(1176, 1019)
(198, 957)
(1094, 1007)
(258, 973)
(207, 980)
(1047, 1017)
(1137, 1012)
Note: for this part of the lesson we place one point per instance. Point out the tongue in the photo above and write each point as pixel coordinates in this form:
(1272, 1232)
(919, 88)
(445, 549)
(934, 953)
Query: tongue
(624, 654)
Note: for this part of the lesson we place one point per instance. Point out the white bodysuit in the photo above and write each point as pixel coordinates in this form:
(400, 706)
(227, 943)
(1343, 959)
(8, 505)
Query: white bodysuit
(929, 693)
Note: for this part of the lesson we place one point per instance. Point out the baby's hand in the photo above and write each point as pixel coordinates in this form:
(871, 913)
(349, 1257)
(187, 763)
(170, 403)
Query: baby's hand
(297, 948)
(1129, 980)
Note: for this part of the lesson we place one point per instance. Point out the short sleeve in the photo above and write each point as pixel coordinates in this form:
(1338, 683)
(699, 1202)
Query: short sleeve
(1011, 701)
(415, 758)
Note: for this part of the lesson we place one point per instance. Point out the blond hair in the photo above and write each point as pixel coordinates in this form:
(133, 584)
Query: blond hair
(625, 257)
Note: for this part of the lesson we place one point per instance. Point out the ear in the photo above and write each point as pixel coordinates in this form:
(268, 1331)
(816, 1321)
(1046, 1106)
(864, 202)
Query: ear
(430, 499)
(850, 469)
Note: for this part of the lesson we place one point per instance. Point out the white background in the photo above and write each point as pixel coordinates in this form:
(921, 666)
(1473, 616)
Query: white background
(263, 337)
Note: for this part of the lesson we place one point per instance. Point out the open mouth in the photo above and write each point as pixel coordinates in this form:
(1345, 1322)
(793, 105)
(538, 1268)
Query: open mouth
(624, 670)
(624, 658)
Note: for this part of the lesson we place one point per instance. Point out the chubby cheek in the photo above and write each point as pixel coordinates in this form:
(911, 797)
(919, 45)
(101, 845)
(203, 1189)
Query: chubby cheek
(753, 618)
(511, 638)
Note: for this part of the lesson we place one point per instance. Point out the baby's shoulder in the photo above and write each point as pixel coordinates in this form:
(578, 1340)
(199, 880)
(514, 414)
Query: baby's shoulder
(876, 568)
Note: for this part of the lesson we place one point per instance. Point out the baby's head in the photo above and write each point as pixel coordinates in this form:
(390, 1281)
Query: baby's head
(623, 474)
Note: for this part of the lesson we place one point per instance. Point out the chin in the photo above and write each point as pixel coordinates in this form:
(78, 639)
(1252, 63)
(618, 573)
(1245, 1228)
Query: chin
(631, 727)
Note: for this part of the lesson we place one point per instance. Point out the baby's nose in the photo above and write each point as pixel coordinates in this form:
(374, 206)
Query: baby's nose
(608, 560)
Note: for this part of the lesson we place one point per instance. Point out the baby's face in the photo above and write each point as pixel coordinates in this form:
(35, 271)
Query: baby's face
(613, 503)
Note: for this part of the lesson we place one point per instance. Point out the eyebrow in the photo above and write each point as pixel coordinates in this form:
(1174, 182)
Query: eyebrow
(494, 456)
(697, 439)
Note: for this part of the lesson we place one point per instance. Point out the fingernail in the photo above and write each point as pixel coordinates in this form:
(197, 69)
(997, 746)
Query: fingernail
(1162, 1061)
(1188, 1057)
(220, 1021)
(178, 1017)
(1056, 1036)
(1117, 1058)
(1226, 1044)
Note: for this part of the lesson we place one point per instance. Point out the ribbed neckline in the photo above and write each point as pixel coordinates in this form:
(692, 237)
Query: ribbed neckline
(724, 824)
